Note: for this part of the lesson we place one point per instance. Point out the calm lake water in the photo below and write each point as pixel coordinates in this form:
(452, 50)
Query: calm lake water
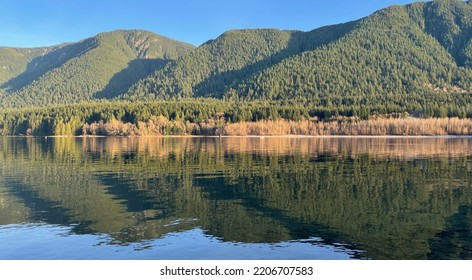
(235, 198)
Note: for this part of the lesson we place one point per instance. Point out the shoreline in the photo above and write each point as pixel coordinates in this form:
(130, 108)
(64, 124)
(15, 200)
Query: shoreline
(243, 136)
(162, 127)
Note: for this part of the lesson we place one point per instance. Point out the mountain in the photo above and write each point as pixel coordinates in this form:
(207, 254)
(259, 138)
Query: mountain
(398, 59)
(14, 61)
(403, 58)
(97, 67)
(214, 67)
(415, 58)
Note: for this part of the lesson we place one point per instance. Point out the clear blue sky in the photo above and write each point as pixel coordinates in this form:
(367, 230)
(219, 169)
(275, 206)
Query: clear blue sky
(28, 23)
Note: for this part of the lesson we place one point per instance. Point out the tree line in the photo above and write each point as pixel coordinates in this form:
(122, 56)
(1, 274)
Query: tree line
(206, 116)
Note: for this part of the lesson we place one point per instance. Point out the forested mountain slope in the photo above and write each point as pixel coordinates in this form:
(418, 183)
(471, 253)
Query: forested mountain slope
(414, 58)
(404, 58)
(14, 61)
(218, 64)
(98, 67)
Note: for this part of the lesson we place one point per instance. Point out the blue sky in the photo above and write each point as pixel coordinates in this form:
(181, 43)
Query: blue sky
(28, 23)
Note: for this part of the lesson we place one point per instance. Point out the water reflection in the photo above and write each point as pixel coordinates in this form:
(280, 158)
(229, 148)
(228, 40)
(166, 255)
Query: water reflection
(381, 198)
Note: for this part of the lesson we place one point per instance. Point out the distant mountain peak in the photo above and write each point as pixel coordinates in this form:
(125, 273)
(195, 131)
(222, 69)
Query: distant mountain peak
(393, 60)
(397, 51)
(102, 66)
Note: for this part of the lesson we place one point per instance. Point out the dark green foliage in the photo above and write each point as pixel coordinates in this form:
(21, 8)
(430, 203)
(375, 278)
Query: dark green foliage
(14, 61)
(98, 67)
(386, 64)
(450, 22)
(216, 66)
(68, 120)
(415, 59)
(391, 198)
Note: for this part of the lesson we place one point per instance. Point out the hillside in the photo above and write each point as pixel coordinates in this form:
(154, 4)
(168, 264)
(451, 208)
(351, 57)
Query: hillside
(398, 59)
(97, 67)
(414, 58)
(14, 61)
(219, 64)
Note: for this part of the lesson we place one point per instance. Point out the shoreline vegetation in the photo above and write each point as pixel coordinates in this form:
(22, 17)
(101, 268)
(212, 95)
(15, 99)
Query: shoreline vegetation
(404, 70)
(209, 117)
(349, 127)
(161, 126)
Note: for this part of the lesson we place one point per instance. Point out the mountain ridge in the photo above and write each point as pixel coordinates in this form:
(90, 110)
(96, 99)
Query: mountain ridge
(414, 58)
(89, 67)
(401, 58)
(256, 49)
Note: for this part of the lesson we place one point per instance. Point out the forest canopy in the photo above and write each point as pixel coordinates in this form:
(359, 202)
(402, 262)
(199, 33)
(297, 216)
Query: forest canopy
(413, 60)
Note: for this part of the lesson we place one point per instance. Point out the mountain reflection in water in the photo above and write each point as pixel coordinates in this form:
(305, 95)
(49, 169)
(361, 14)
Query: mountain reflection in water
(250, 198)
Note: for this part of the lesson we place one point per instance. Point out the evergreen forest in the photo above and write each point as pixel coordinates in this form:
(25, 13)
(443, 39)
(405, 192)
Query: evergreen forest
(400, 62)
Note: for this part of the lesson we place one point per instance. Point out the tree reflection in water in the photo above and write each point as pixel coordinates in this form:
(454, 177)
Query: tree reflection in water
(391, 198)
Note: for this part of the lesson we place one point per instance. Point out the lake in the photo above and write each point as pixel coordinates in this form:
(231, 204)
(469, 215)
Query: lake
(236, 198)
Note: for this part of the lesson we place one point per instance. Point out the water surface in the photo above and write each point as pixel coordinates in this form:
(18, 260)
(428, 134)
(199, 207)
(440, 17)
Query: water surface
(235, 198)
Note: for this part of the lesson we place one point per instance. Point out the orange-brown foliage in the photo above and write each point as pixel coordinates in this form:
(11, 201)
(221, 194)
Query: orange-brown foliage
(407, 126)
(381, 126)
